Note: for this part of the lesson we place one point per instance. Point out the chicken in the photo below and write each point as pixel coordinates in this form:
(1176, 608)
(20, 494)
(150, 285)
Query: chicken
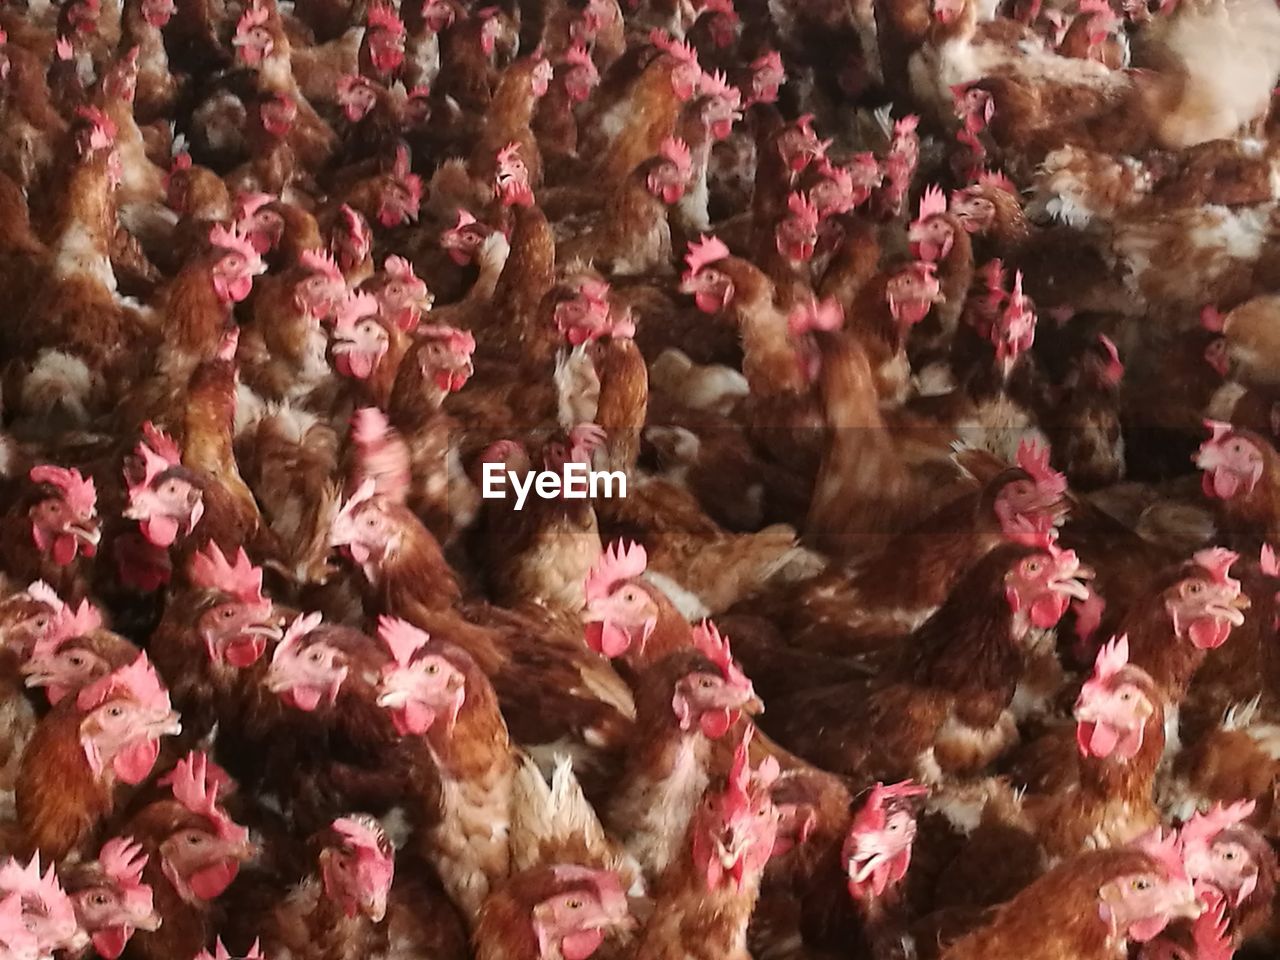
(1129, 913)
(110, 897)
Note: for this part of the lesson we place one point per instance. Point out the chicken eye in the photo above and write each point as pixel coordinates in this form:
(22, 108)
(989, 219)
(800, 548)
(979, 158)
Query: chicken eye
(1229, 855)
(226, 613)
(1032, 568)
(1142, 883)
(706, 683)
(315, 656)
(195, 840)
(573, 904)
(76, 660)
(99, 900)
(1195, 588)
(115, 712)
(433, 669)
(1126, 697)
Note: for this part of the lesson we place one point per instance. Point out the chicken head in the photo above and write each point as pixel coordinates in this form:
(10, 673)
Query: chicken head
(401, 193)
(465, 239)
(911, 293)
(1218, 848)
(767, 78)
(1137, 906)
(385, 37)
(796, 235)
(418, 687)
(123, 717)
(323, 290)
(404, 297)
(587, 904)
(669, 175)
(1232, 461)
(580, 73)
(235, 620)
(621, 613)
(711, 288)
(163, 496)
(445, 357)
(932, 234)
(259, 222)
(204, 854)
(110, 898)
(359, 338)
(253, 39)
(59, 663)
(304, 668)
(877, 850)
(734, 829)
(357, 869)
(47, 911)
(1115, 705)
(1041, 585)
(798, 145)
(64, 519)
(511, 181)
(236, 265)
(1206, 605)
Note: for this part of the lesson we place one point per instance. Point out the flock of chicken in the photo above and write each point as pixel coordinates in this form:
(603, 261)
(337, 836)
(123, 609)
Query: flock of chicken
(931, 346)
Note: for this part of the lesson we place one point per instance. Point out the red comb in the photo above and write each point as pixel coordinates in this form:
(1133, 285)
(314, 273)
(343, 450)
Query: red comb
(401, 638)
(704, 252)
(210, 570)
(77, 491)
(1217, 561)
(618, 562)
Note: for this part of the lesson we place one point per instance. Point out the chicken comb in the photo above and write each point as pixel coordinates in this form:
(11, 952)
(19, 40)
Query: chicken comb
(1267, 560)
(1212, 319)
(123, 860)
(1109, 346)
(354, 308)
(401, 638)
(509, 155)
(398, 268)
(713, 645)
(220, 952)
(63, 49)
(932, 203)
(873, 815)
(255, 15)
(907, 124)
(826, 315)
(67, 624)
(357, 227)
(381, 17)
(1033, 457)
(997, 180)
(77, 491)
(362, 833)
(195, 783)
(30, 884)
(321, 262)
(607, 886)
(1112, 658)
(292, 638)
(618, 562)
(1203, 827)
(578, 56)
(1217, 561)
(744, 782)
(717, 85)
(677, 152)
(210, 570)
(41, 592)
(249, 203)
(233, 241)
(14, 935)
(341, 530)
(138, 681)
(455, 340)
(703, 252)
(103, 134)
(158, 453)
(1165, 849)
(802, 208)
(1219, 431)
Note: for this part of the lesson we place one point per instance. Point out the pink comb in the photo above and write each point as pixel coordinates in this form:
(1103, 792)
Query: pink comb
(31, 885)
(717, 85)
(233, 241)
(67, 625)
(138, 681)
(103, 134)
(123, 860)
(211, 571)
(457, 341)
(872, 815)
(996, 179)
(1212, 319)
(220, 953)
(619, 562)
(1111, 659)
(704, 252)
(398, 268)
(932, 203)
(384, 18)
(1217, 561)
(356, 307)
(63, 48)
(1203, 827)
(715, 647)
(196, 789)
(803, 209)
(579, 56)
(247, 204)
(1109, 345)
(401, 638)
(77, 492)
(1034, 459)
(1166, 850)
(359, 834)
(292, 640)
(677, 151)
(321, 262)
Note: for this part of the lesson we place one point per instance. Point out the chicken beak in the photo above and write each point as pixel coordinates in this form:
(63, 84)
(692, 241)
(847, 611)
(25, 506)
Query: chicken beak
(1071, 587)
(89, 533)
(269, 630)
